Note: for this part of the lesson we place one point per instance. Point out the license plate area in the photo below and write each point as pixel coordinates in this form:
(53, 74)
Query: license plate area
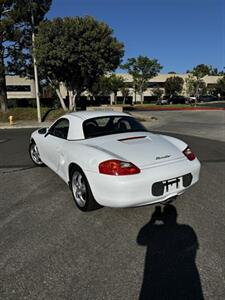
(171, 184)
(166, 186)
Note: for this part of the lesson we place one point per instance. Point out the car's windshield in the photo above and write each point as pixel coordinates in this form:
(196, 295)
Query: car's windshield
(110, 125)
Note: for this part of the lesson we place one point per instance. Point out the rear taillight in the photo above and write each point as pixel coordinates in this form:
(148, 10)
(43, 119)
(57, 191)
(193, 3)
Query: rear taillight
(189, 154)
(118, 168)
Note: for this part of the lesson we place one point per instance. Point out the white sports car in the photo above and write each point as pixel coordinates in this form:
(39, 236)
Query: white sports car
(110, 159)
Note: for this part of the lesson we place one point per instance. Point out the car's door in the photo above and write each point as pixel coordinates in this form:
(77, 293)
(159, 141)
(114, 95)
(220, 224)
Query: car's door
(53, 148)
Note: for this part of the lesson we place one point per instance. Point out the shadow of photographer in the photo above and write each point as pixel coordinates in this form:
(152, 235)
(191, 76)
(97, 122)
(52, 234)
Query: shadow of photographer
(170, 271)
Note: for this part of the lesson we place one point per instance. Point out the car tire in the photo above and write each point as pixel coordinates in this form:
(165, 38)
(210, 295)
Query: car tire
(34, 155)
(81, 191)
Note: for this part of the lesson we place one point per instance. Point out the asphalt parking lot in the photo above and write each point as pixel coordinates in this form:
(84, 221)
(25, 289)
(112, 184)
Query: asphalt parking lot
(51, 250)
(203, 124)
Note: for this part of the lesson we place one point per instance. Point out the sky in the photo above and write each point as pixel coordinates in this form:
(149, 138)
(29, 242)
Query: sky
(179, 33)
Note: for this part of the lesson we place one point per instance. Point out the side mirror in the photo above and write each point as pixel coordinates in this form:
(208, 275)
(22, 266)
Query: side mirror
(43, 130)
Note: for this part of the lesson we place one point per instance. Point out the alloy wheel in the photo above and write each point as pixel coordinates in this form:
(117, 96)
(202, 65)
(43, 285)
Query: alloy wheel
(79, 188)
(35, 154)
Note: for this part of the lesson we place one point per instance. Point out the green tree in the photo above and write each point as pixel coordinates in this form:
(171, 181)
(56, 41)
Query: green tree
(100, 87)
(220, 86)
(201, 70)
(142, 69)
(221, 73)
(190, 83)
(194, 86)
(115, 83)
(125, 91)
(157, 92)
(77, 51)
(174, 85)
(139, 87)
(15, 37)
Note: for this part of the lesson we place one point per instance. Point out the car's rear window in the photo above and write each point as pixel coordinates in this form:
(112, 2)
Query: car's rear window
(110, 125)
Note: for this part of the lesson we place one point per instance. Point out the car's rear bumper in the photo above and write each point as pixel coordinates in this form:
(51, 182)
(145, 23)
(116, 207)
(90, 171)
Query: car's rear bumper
(136, 190)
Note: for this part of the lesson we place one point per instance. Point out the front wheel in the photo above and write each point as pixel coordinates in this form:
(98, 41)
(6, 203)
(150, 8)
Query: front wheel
(34, 155)
(81, 191)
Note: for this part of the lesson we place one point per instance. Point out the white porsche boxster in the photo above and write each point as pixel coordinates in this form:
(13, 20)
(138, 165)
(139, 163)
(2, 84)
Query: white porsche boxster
(110, 159)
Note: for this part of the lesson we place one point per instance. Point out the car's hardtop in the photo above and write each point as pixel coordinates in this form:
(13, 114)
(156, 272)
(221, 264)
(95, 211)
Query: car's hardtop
(84, 115)
(78, 119)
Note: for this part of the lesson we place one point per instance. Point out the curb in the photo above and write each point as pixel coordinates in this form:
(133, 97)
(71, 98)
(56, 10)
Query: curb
(24, 126)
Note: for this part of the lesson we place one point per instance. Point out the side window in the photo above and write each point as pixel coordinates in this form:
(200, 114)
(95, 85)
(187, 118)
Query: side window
(60, 129)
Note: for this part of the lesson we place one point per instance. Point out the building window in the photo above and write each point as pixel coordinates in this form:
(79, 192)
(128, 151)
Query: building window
(129, 84)
(18, 88)
(156, 84)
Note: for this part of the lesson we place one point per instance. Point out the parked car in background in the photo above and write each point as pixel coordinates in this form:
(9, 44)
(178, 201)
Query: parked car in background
(192, 99)
(207, 98)
(162, 101)
(176, 100)
(179, 100)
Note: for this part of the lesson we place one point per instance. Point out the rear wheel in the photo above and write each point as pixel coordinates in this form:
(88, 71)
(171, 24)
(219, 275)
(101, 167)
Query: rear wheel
(34, 155)
(81, 191)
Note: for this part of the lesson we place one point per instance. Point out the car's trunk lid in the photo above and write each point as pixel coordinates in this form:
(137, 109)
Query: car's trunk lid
(140, 148)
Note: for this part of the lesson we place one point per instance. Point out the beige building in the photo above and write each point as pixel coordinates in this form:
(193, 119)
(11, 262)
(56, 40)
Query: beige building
(159, 82)
(20, 87)
(24, 88)
(156, 82)
(211, 81)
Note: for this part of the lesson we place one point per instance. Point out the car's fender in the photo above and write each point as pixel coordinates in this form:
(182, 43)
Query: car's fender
(38, 139)
(86, 157)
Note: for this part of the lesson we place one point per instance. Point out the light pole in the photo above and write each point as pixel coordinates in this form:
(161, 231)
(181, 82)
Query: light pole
(35, 66)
